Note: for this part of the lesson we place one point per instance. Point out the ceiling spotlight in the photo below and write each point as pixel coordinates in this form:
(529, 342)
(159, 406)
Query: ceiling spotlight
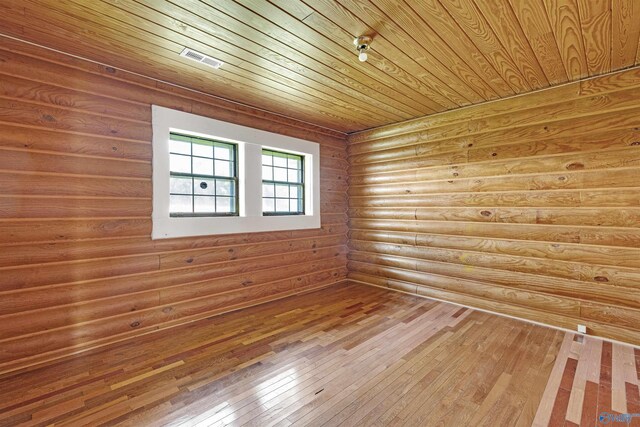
(362, 44)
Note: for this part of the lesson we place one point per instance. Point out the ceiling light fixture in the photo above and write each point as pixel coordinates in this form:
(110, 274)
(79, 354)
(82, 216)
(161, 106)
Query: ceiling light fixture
(362, 44)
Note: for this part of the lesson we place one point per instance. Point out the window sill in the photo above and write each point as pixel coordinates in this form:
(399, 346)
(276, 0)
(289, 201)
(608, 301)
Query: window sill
(173, 227)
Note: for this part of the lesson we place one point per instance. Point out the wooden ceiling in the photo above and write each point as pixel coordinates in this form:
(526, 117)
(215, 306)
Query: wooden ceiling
(296, 57)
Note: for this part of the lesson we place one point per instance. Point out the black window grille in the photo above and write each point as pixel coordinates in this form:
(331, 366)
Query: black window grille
(203, 177)
(282, 183)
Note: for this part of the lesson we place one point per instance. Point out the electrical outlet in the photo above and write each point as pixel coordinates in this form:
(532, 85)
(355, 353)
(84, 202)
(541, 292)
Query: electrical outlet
(582, 329)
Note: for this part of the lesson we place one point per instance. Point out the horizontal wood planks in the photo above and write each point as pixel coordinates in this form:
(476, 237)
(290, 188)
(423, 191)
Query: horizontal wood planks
(526, 206)
(297, 58)
(77, 266)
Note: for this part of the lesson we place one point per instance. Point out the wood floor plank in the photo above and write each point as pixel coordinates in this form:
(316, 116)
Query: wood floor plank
(346, 355)
(618, 389)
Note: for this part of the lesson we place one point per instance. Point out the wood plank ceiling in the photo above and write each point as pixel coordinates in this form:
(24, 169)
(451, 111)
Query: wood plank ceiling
(296, 57)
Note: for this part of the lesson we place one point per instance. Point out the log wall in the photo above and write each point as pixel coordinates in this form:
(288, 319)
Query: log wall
(77, 266)
(528, 206)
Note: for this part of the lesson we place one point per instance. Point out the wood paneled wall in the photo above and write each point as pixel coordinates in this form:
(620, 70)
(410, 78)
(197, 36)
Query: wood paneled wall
(528, 206)
(77, 266)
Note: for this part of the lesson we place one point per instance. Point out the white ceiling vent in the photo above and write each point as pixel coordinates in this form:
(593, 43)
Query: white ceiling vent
(201, 57)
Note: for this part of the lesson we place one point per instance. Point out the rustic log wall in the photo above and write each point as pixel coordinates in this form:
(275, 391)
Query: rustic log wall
(77, 266)
(528, 206)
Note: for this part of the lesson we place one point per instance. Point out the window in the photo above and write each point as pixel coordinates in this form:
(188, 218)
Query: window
(203, 177)
(282, 183)
(212, 177)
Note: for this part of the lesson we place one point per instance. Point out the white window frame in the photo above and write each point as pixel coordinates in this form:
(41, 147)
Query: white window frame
(250, 143)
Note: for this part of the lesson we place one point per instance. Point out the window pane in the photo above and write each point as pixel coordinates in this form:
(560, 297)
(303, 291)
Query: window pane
(180, 185)
(280, 161)
(178, 163)
(223, 153)
(204, 186)
(202, 166)
(223, 168)
(282, 191)
(279, 174)
(267, 190)
(224, 204)
(267, 173)
(178, 137)
(180, 204)
(268, 205)
(203, 150)
(287, 168)
(282, 205)
(294, 175)
(294, 163)
(198, 158)
(179, 147)
(204, 204)
(224, 188)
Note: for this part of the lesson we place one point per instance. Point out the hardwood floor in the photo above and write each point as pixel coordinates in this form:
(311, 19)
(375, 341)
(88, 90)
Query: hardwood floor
(591, 379)
(345, 355)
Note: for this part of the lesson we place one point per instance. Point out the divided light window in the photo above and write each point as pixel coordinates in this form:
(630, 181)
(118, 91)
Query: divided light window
(203, 177)
(282, 183)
